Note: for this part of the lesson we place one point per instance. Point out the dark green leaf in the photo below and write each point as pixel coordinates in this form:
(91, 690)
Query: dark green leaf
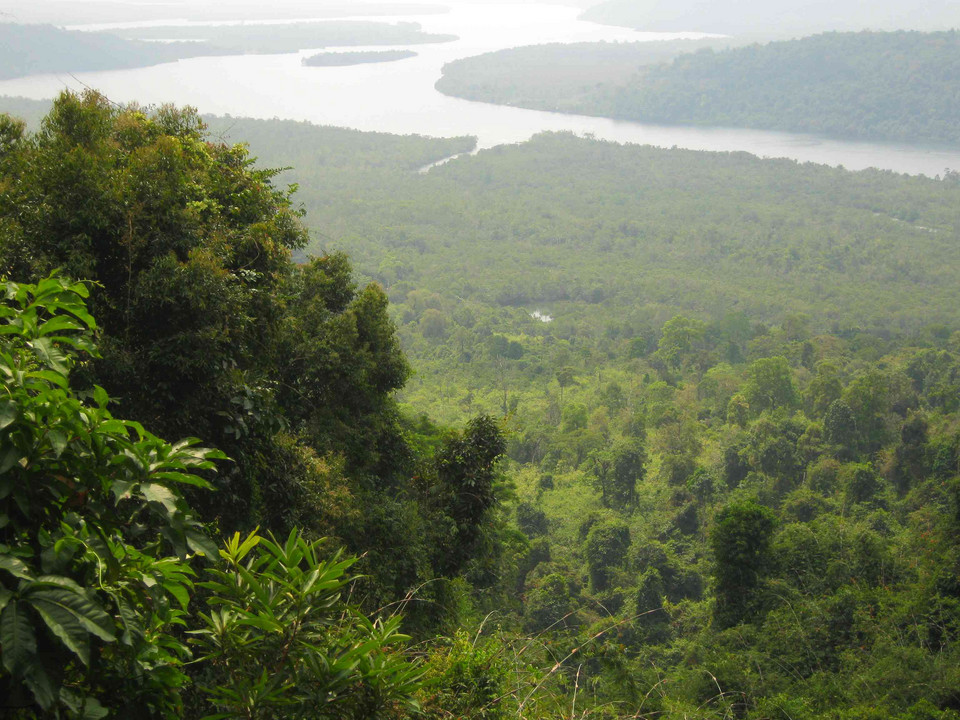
(200, 544)
(65, 625)
(87, 612)
(154, 492)
(17, 638)
(49, 354)
(8, 413)
(59, 323)
(58, 441)
(40, 685)
(9, 457)
(15, 566)
(179, 592)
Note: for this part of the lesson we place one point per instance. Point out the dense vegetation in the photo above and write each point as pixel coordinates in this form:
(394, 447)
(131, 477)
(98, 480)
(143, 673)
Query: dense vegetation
(339, 59)
(36, 49)
(880, 86)
(890, 86)
(731, 484)
(645, 448)
(206, 327)
(774, 18)
(589, 231)
(565, 77)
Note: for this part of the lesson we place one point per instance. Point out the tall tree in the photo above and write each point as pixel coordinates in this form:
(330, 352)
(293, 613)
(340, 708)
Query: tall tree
(742, 556)
(207, 325)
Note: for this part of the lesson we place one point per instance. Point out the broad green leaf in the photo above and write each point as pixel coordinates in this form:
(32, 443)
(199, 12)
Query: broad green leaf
(83, 708)
(8, 413)
(93, 710)
(15, 566)
(47, 286)
(80, 288)
(8, 458)
(5, 597)
(59, 323)
(59, 379)
(36, 678)
(56, 581)
(121, 489)
(90, 615)
(181, 477)
(58, 441)
(100, 396)
(200, 544)
(179, 592)
(154, 492)
(49, 354)
(132, 622)
(65, 625)
(17, 638)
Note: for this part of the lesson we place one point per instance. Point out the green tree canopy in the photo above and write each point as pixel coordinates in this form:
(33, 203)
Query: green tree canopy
(770, 384)
(741, 547)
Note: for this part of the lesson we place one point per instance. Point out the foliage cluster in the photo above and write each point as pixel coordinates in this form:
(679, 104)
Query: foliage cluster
(99, 555)
(207, 327)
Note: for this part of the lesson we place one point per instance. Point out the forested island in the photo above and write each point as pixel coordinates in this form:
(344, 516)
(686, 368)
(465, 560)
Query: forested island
(37, 49)
(342, 59)
(897, 86)
(615, 432)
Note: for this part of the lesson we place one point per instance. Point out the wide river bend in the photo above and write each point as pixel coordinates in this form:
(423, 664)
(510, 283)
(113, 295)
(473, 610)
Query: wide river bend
(399, 97)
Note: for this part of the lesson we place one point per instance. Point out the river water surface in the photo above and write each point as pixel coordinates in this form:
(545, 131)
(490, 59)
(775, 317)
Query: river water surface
(399, 97)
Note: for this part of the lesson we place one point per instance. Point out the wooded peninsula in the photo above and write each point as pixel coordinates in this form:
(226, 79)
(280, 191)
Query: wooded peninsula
(889, 86)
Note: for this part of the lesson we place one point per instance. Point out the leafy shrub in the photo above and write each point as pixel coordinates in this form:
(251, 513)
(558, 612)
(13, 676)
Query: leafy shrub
(94, 533)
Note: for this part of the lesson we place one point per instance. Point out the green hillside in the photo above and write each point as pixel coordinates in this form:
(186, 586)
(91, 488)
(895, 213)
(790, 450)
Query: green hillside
(899, 86)
(590, 431)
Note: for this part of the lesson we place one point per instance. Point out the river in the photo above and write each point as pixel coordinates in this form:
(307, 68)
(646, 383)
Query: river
(399, 97)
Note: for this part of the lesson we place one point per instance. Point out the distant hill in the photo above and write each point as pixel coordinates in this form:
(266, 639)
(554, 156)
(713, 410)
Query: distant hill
(30, 111)
(901, 86)
(565, 77)
(290, 37)
(776, 17)
(37, 49)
